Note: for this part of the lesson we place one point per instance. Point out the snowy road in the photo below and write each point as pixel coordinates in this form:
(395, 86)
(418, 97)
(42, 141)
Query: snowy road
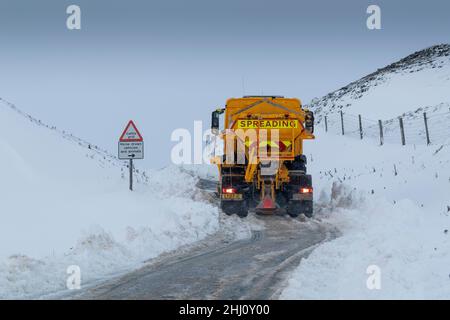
(254, 268)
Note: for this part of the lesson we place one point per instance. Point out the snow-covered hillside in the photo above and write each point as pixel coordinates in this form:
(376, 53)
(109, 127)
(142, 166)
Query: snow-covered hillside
(418, 81)
(65, 202)
(391, 202)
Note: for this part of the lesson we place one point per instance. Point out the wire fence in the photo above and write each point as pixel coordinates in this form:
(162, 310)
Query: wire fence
(410, 129)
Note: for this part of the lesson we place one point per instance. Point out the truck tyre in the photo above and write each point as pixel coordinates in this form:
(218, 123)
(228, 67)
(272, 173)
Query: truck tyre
(235, 207)
(295, 208)
(227, 207)
(292, 212)
(243, 211)
(308, 209)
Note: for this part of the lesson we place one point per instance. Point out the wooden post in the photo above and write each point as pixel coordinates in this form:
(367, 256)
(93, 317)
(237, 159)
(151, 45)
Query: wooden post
(426, 128)
(402, 130)
(342, 122)
(131, 174)
(360, 127)
(380, 124)
(326, 124)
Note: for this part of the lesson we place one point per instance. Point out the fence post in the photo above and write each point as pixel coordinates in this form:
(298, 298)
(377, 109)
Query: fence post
(326, 124)
(360, 127)
(380, 124)
(402, 130)
(426, 127)
(342, 122)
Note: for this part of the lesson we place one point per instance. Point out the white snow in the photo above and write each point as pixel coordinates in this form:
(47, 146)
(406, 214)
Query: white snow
(65, 202)
(404, 92)
(418, 81)
(391, 203)
(400, 227)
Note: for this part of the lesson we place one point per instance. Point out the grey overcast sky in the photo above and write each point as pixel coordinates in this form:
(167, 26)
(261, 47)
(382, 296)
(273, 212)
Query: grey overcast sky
(168, 63)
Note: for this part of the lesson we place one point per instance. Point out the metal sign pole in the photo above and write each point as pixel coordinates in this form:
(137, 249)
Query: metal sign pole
(131, 174)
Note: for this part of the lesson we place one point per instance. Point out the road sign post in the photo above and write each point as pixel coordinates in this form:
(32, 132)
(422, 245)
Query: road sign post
(131, 147)
(131, 174)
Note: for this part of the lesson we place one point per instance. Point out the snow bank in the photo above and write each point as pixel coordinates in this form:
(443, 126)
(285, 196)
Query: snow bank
(391, 202)
(66, 203)
(391, 205)
(410, 248)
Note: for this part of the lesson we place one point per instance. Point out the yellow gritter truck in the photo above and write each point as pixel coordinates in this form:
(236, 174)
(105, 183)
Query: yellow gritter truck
(262, 166)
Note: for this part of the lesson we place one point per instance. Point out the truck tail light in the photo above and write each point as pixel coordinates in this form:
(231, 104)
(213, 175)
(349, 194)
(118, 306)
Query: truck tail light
(229, 190)
(306, 190)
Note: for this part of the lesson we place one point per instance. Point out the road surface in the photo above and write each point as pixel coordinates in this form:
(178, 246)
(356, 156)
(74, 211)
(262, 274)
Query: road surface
(253, 268)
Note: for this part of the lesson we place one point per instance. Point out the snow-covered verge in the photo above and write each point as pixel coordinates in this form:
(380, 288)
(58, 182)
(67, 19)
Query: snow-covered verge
(65, 202)
(391, 202)
(392, 205)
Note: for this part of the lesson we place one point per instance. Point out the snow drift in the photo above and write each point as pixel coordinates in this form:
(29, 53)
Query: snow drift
(391, 205)
(390, 202)
(65, 202)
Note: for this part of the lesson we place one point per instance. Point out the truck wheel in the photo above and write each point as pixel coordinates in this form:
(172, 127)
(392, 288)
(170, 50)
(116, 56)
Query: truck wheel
(292, 214)
(227, 208)
(308, 209)
(235, 207)
(295, 208)
(243, 211)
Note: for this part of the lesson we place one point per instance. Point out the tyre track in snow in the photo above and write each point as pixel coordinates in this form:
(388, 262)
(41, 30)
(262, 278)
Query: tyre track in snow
(253, 268)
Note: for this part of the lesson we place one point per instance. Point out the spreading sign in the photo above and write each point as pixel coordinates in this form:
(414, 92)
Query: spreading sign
(267, 124)
(131, 143)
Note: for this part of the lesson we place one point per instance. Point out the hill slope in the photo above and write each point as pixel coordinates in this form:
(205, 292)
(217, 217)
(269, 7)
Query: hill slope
(420, 80)
(390, 202)
(66, 203)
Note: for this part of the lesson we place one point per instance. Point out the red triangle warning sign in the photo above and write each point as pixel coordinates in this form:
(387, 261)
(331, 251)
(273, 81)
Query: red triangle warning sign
(131, 133)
